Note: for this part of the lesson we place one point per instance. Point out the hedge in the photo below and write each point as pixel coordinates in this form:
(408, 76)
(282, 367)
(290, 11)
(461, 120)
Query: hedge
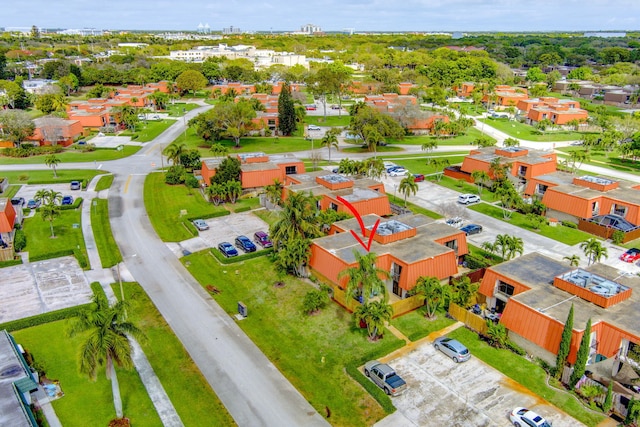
(77, 253)
(10, 263)
(224, 260)
(242, 209)
(41, 319)
(76, 203)
(207, 216)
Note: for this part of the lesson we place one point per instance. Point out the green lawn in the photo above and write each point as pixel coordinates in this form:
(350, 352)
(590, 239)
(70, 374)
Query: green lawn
(415, 326)
(72, 155)
(418, 164)
(525, 373)
(566, 235)
(529, 133)
(46, 176)
(85, 403)
(180, 108)
(188, 390)
(105, 243)
(165, 204)
(68, 238)
(399, 200)
(360, 149)
(11, 191)
(148, 131)
(104, 182)
(468, 108)
(601, 158)
(467, 139)
(311, 351)
(335, 121)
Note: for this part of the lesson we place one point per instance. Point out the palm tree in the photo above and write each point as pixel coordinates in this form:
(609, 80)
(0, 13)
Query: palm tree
(297, 220)
(52, 161)
(432, 292)
(107, 343)
(515, 246)
(430, 145)
(407, 186)
(330, 139)
(375, 314)
(365, 278)
(274, 192)
(480, 178)
(217, 193)
(593, 250)
(234, 190)
(50, 212)
(174, 151)
(574, 260)
(48, 197)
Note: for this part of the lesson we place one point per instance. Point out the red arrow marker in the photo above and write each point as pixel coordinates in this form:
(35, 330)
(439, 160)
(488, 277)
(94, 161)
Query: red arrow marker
(355, 213)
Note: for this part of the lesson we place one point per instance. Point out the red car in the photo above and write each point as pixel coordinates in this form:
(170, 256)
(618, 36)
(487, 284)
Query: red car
(632, 255)
(418, 177)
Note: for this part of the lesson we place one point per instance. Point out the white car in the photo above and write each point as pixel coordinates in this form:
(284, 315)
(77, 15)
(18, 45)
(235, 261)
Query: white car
(398, 172)
(313, 127)
(200, 224)
(465, 199)
(523, 417)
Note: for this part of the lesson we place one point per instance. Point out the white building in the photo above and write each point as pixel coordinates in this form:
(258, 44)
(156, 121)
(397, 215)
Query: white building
(261, 58)
(39, 86)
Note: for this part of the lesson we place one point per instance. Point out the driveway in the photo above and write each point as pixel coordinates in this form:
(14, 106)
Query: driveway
(41, 287)
(222, 229)
(444, 393)
(29, 191)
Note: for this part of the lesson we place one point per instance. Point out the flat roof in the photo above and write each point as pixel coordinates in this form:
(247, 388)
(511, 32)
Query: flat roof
(11, 370)
(487, 154)
(625, 191)
(538, 272)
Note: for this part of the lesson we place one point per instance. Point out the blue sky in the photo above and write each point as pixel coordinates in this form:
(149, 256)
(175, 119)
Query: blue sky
(330, 15)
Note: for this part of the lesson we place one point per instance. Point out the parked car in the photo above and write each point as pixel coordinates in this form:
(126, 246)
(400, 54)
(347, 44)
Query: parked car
(418, 177)
(75, 185)
(262, 238)
(393, 167)
(18, 201)
(471, 229)
(388, 165)
(385, 377)
(200, 224)
(66, 200)
(227, 249)
(452, 348)
(310, 107)
(523, 417)
(454, 222)
(631, 255)
(465, 199)
(33, 204)
(313, 127)
(335, 107)
(398, 172)
(245, 244)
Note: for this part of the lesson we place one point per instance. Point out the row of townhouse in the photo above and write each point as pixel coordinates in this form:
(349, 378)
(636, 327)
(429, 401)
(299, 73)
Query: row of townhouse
(610, 94)
(597, 204)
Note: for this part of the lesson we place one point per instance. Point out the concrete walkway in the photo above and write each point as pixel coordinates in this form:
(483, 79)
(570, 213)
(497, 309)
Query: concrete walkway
(107, 276)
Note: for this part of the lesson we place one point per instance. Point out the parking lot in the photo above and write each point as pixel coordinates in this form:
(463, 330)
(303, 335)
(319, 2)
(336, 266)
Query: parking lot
(444, 393)
(222, 229)
(29, 191)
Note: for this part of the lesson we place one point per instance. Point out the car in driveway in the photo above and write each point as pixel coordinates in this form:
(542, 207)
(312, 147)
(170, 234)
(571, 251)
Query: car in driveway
(262, 238)
(471, 229)
(227, 249)
(200, 224)
(244, 243)
(75, 185)
(631, 255)
(33, 204)
(66, 201)
(465, 199)
(313, 127)
(454, 222)
(418, 177)
(18, 201)
(452, 348)
(385, 377)
(523, 417)
(398, 172)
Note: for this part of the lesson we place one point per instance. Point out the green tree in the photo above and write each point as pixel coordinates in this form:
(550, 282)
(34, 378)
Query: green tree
(582, 357)
(365, 279)
(372, 126)
(274, 192)
(429, 145)
(497, 334)
(228, 170)
(463, 291)
(565, 344)
(480, 178)
(191, 81)
(174, 151)
(52, 161)
(535, 75)
(286, 111)
(15, 125)
(511, 142)
(106, 332)
(314, 301)
(228, 119)
(234, 190)
(574, 260)
(484, 141)
(408, 186)
(49, 212)
(608, 401)
(433, 293)
(219, 150)
(535, 220)
(593, 250)
(375, 314)
(330, 139)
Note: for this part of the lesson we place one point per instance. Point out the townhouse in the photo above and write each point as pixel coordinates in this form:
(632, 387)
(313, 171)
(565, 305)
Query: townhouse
(558, 111)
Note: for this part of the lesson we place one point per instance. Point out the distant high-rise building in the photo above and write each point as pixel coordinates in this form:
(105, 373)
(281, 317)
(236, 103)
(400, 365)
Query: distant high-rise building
(231, 30)
(310, 29)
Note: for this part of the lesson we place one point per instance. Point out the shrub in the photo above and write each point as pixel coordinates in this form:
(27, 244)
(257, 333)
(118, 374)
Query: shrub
(76, 203)
(175, 175)
(617, 237)
(516, 348)
(314, 300)
(497, 334)
(41, 319)
(474, 263)
(569, 224)
(19, 240)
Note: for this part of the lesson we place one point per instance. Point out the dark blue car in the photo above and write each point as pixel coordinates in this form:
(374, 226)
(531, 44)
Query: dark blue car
(227, 249)
(244, 243)
(67, 200)
(471, 229)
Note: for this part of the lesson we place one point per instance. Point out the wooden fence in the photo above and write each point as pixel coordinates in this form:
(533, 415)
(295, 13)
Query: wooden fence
(606, 232)
(400, 307)
(473, 321)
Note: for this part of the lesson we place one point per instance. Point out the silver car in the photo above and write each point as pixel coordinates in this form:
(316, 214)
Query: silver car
(200, 224)
(452, 348)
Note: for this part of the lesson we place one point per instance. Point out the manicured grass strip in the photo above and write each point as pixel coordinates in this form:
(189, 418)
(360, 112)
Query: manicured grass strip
(85, 402)
(526, 373)
(467, 138)
(415, 326)
(414, 208)
(188, 390)
(40, 319)
(311, 351)
(104, 182)
(566, 235)
(522, 131)
(149, 130)
(107, 248)
(169, 205)
(11, 189)
(73, 155)
(68, 237)
(46, 176)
